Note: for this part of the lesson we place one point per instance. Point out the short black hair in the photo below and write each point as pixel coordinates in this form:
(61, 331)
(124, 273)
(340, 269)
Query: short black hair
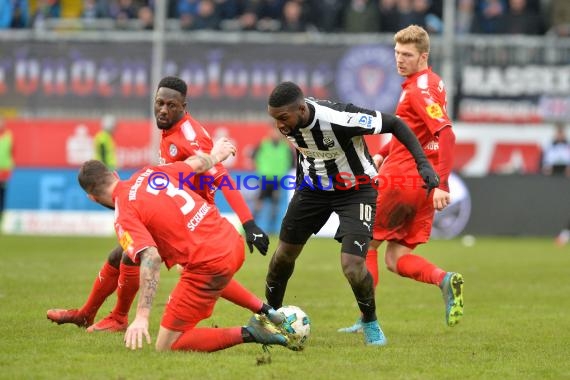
(284, 94)
(94, 177)
(174, 83)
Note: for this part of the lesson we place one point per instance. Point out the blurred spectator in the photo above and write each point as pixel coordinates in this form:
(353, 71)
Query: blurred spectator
(389, 16)
(207, 16)
(428, 16)
(404, 9)
(520, 20)
(273, 159)
(188, 11)
(146, 18)
(417, 12)
(268, 13)
(489, 16)
(6, 161)
(171, 10)
(556, 156)
(94, 9)
(433, 24)
(45, 9)
(230, 9)
(361, 16)
(326, 15)
(14, 14)
(293, 18)
(268, 9)
(559, 20)
(464, 16)
(122, 11)
(104, 143)
(248, 20)
(436, 8)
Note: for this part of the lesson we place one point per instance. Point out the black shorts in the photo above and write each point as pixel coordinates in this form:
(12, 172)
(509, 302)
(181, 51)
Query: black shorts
(309, 210)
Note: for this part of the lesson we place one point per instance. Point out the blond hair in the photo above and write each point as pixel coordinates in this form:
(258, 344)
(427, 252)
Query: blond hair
(413, 34)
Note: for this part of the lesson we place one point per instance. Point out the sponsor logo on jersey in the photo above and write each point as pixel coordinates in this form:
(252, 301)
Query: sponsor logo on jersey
(172, 150)
(434, 111)
(365, 121)
(329, 143)
(321, 154)
(366, 76)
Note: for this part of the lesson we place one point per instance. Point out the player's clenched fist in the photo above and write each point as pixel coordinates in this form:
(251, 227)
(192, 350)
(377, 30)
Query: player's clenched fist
(222, 149)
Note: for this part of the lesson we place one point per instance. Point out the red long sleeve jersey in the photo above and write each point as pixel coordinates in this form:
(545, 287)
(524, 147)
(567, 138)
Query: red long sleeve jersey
(422, 106)
(185, 139)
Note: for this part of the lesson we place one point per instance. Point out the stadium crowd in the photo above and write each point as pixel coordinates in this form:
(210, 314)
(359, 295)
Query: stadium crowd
(530, 17)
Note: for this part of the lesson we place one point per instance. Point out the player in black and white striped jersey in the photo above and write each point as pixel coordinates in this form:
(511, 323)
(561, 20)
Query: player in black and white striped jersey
(335, 173)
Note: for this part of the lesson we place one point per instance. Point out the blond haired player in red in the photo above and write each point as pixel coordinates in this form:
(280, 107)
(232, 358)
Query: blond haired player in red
(404, 215)
(158, 219)
(182, 137)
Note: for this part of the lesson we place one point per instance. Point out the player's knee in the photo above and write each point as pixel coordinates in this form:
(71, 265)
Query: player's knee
(353, 273)
(167, 340)
(353, 255)
(391, 261)
(114, 258)
(287, 253)
(354, 268)
(127, 261)
(161, 345)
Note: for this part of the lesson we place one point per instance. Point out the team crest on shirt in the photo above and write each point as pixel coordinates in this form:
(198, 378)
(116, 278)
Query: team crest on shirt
(172, 150)
(434, 111)
(366, 76)
(329, 143)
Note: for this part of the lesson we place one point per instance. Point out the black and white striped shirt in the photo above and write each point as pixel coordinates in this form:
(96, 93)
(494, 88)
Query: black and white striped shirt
(331, 147)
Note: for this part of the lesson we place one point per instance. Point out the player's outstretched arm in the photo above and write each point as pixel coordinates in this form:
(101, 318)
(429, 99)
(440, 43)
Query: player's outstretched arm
(222, 149)
(393, 124)
(149, 279)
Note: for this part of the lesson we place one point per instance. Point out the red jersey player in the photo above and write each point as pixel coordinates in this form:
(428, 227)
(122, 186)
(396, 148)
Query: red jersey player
(182, 137)
(404, 214)
(172, 224)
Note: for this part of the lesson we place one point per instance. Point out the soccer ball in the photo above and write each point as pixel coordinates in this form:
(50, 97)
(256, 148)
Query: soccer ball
(297, 325)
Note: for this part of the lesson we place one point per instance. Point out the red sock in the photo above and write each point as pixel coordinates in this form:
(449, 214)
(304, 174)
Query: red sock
(208, 339)
(372, 264)
(129, 281)
(418, 268)
(236, 293)
(104, 285)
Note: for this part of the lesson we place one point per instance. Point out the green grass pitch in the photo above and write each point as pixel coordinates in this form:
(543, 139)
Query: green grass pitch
(516, 323)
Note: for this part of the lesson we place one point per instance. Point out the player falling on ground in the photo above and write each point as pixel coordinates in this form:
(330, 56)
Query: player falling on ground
(182, 137)
(172, 224)
(404, 216)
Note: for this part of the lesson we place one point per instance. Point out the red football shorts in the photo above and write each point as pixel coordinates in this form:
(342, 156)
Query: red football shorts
(404, 216)
(198, 289)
